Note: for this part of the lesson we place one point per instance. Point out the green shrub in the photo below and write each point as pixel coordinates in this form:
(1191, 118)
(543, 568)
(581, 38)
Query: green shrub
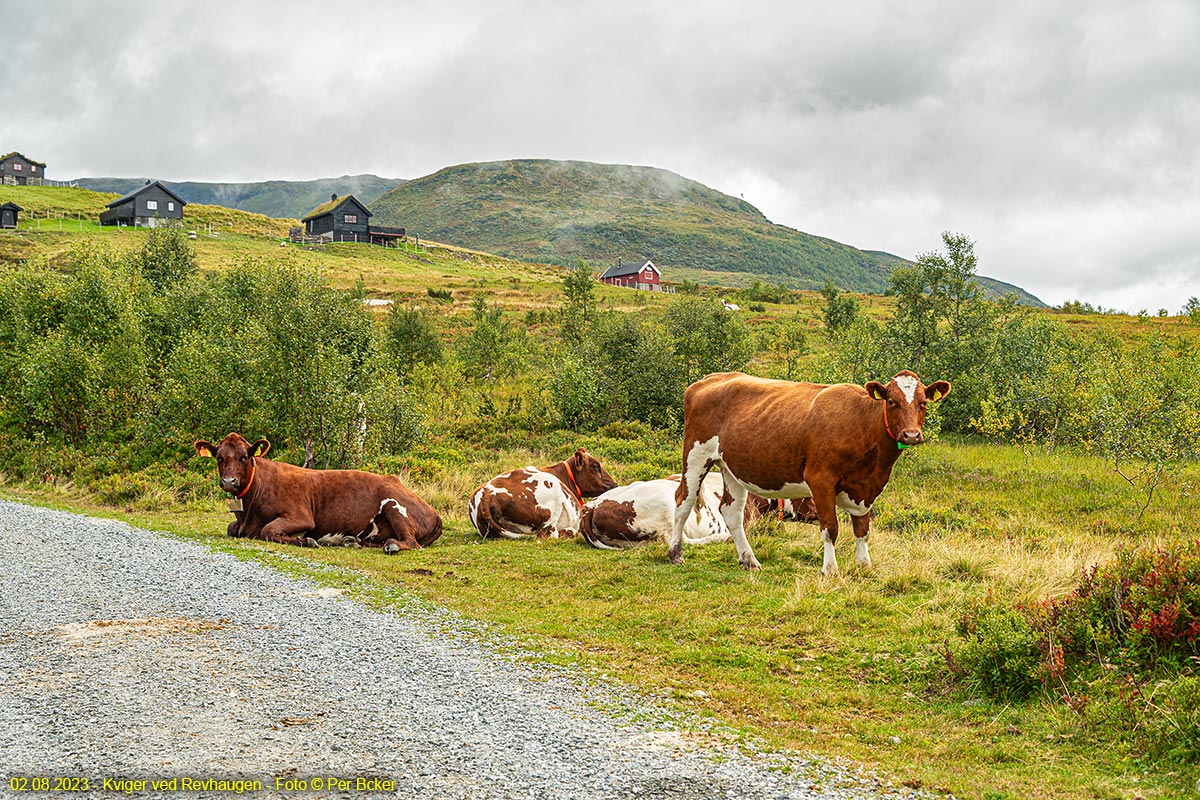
(999, 654)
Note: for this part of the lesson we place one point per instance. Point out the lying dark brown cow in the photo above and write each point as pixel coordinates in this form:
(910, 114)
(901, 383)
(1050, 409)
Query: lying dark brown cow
(543, 502)
(778, 439)
(291, 505)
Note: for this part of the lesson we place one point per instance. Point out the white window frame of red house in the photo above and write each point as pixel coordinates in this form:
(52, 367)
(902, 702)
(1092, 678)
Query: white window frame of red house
(350, 219)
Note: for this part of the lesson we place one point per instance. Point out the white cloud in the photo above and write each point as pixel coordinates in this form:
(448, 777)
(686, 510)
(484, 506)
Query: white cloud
(1061, 137)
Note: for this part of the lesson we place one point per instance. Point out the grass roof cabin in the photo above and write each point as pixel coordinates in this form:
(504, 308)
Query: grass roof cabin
(18, 170)
(345, 219)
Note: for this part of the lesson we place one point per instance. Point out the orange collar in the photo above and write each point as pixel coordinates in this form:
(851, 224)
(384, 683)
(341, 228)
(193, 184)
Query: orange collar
(249, 483)
(574, 483)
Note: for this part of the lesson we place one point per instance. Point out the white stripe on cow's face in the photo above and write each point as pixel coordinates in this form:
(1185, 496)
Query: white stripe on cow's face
(908, 385)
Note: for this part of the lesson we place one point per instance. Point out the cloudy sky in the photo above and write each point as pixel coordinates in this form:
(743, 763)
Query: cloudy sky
(1064, 137)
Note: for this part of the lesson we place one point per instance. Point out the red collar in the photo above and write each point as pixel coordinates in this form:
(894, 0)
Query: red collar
(249, 483)
(574, 483)
(888, 428)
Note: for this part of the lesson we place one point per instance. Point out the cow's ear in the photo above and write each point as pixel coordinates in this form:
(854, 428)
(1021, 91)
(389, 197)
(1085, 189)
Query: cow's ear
(580, 458)
(260, 448)
(937, 390)
(877, 390)
(205, 449)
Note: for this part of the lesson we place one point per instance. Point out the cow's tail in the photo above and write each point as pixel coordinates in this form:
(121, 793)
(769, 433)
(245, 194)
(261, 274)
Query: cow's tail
(485, 522)
(595, 538)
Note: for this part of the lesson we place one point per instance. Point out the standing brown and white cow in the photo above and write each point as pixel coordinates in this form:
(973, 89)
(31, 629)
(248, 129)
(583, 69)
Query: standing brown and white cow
(543, 502)
(836, 444)
(292, 505)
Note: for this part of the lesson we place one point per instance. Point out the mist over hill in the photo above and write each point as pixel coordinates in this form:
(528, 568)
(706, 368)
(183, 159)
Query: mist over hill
(560, 211)
(281, 199)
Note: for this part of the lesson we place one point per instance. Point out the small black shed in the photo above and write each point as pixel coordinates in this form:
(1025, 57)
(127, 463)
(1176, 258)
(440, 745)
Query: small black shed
(146, 206)
(8, 215)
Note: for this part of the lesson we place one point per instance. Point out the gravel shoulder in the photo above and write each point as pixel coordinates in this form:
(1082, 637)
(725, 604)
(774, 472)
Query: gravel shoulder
(130, 655)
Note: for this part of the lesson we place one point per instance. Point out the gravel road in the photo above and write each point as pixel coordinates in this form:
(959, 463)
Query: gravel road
(130, 656)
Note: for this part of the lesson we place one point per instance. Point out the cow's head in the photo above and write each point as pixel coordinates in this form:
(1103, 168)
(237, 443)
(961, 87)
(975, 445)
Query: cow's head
(591, 478)
(904, 399)
(235, 460)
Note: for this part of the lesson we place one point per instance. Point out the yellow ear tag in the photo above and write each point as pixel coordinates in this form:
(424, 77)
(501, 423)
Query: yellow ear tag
(205, 452)
(937, 395)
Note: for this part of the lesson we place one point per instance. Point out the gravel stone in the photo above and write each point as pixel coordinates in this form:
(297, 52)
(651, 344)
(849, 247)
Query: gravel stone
(129, 654)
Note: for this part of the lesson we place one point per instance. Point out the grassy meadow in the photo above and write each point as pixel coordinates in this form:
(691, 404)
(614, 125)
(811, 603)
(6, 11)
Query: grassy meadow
(857, 668)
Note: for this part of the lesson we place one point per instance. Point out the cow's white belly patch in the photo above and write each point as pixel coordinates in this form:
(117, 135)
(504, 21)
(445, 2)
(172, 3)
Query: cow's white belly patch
(787, 490)
(852, 507)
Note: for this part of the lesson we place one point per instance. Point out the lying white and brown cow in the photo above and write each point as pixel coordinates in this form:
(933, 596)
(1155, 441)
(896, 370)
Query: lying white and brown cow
(628, 516)
(292, 505)
(546, 502)
(778, 439)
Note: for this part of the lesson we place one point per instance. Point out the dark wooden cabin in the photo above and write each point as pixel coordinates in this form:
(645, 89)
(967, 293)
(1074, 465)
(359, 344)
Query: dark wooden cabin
(345, 219)
(342, 219)
(8, 215)
(17, 170)
(635, 275)
(147, 206)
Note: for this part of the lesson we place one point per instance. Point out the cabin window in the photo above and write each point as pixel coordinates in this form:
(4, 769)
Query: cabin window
(33, 167)
(152, 205)
(16, 167)
(170, 206)
(350, 219)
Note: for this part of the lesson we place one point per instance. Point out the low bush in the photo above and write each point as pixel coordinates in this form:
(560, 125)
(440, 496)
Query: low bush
(1122, 648)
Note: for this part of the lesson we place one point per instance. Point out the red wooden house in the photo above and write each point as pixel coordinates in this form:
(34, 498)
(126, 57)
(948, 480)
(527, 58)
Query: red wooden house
(638, 275)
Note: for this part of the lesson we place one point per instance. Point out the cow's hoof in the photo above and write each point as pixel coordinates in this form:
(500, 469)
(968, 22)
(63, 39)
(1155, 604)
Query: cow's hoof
(677, 559)
(864, 564)
(750, 563)
(830, 572)
(308, 541)
(391, 547)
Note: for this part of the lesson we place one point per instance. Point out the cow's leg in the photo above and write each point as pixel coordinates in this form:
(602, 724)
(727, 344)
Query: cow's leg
(698, 459)
(395, 516)
(862, 528)
(825, 500)
(289, 531)
(733, 507)
(686, 496)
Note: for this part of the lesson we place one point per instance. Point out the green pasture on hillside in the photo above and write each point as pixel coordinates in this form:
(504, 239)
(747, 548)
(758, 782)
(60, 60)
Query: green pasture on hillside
(857, 667)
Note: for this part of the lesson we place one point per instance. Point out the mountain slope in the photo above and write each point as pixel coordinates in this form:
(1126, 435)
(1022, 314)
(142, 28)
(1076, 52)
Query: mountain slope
(281, 199)
(992, 286)
(556, 211)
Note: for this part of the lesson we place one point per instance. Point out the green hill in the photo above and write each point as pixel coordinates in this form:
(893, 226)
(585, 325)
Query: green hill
(559, 211)
(281, 199)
